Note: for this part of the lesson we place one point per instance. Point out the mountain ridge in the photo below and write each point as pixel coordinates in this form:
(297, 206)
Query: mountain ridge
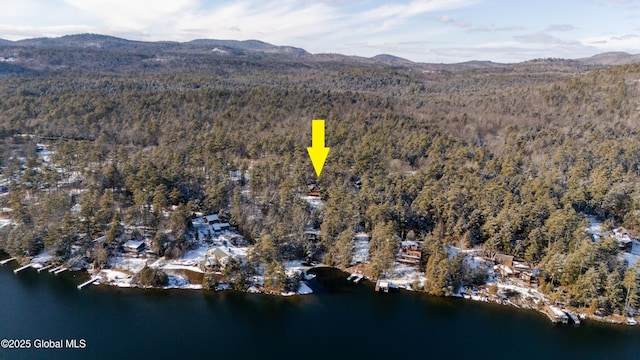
(256, 47)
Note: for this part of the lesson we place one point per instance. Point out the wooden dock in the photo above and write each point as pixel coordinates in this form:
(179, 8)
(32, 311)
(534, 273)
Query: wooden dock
(556, 315)
(44, 268)
(6, 260)
(52, 270)
(573, 317)
(385, 286)
(356, 277)
(21, 268)
(90, 281)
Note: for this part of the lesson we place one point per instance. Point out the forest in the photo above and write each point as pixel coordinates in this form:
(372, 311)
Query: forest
(510, 159)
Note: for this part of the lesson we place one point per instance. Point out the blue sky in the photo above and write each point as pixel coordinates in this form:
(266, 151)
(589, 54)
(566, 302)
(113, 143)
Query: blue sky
(419, 30)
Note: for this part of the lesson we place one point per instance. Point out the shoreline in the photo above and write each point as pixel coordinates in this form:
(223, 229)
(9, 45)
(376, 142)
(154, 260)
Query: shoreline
(303, 284)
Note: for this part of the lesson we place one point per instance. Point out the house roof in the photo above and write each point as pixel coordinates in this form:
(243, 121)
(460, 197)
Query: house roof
(218, 253)
(212, 218)
(134, 244)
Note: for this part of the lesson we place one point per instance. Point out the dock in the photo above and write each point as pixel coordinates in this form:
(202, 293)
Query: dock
(21, 268)
(356, 277)
(90, 281)
(573, 317)
(556, 315)
(52, 270)
(60, 270)
(44, 268)
(385, 286)
(6, 260)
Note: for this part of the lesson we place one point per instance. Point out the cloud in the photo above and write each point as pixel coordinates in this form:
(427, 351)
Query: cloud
(560, 27)
(627, 42)
(493, 28)
(542, 38)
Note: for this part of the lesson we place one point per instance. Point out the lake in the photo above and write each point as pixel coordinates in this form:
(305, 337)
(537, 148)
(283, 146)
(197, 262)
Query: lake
(339, 321)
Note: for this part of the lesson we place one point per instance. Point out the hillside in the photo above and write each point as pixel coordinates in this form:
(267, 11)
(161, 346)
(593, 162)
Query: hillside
(503, 158)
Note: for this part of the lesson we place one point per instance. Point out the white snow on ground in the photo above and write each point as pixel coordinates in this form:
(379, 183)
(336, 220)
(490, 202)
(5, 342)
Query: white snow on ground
(114, 277)
(532, 293)
(595, 228)
(295, 267)
(41, 259)
(452, 251)
(361, 249)
(313, 201)
(631, 260)
(406, 275)
(304, 289)
(179, 282)
(4, 222)
(127, 263)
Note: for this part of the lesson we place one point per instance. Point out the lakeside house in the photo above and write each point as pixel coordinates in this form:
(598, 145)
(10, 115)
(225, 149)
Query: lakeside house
(134, 247)
(409, 253)
(313, 190)
(215, 257)
(211, 219)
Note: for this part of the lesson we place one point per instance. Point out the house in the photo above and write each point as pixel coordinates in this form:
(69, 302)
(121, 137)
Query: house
(135, 247)
(215, 256)
(409, 253)
(219, 227)
(532, 278)
(211, 219)
(504, 259)
(313, 190)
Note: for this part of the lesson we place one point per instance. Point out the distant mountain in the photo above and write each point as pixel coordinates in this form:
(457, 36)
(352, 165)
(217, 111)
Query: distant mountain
(96, 41)
(392, 60)
(248, 45)
(170, 54)
(611, 58)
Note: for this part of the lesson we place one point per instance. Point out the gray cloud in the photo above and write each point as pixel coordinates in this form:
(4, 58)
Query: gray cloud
(542, 38)
(625, 37)
(560, 27)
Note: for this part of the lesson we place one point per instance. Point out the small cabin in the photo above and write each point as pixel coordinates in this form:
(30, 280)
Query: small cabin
(211, 219)
(134, 247)
(504, 259)
(410, 252)
(313, 190)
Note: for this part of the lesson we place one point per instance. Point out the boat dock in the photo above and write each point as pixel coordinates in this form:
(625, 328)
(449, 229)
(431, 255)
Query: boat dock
(62, 269)
(356, 278)
(52, 270)
(44, 268)
(6, 260)
(90, 281)
(385, 286)
(556, 315)
(573, 317)
(21, 268)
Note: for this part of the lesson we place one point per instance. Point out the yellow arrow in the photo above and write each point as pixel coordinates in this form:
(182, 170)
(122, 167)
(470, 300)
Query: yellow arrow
(317, 152)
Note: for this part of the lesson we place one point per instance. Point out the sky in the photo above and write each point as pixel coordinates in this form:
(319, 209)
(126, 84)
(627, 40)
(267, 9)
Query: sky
(434, 31)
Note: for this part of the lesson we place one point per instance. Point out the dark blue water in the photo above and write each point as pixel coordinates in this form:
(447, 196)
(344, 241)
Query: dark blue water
(339, 321)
